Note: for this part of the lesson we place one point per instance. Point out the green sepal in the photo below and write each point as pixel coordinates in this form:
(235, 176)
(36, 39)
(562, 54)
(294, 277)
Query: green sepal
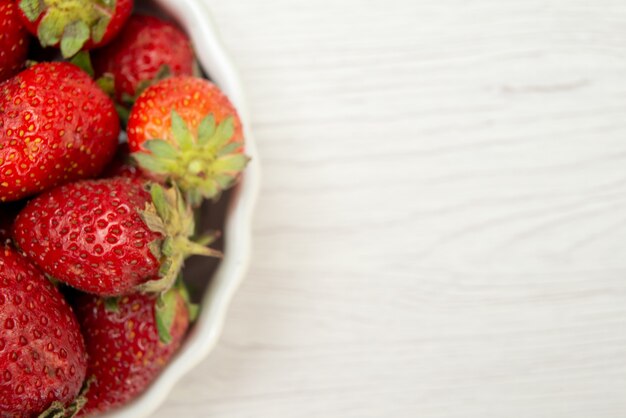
(152, 220)
(165, 267)
(151, 163)
(58, 410)
(207, 238)
(165, 312)
(99, 28)
(231, 163)
(229, 149)
(168, 247)
(106, 84)
(206, 129)
(32, 9)
(224, 133)
(224, 181)
(160, 203)
(75, 35)
(83, 61)
(193, 248)
(202, 165)
(69, 23)
(193, 309)
(51, 28)
(195, 196)
(112, 304)
(155, 248)
(161, 149)
(170, 268)
(181, 132)
(169, 215)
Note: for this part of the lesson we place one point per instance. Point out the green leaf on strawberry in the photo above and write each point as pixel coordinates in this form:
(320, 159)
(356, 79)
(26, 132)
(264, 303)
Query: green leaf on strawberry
(170, 216)
(202, 164)
(74, 25)
(165, 311)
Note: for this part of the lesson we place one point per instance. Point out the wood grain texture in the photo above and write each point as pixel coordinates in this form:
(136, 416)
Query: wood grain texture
(442, 225)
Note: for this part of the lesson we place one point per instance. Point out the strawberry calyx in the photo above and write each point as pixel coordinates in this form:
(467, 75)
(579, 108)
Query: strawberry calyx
(202, 165)
(167, 306)
(165, 311)
(169, 215)
(193, 309)
(69, 23)
(58, 410)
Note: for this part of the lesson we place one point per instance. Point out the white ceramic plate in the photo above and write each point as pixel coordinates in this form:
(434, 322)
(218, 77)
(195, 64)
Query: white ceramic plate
(194, 17)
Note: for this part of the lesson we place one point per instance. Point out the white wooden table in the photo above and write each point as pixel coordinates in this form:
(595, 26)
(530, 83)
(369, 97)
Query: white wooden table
(442, 227)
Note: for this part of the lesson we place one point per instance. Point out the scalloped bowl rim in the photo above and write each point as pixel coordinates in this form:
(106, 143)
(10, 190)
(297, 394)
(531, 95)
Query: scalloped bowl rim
(195, 18)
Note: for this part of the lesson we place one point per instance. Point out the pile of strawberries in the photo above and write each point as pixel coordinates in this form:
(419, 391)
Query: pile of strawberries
(94, 232)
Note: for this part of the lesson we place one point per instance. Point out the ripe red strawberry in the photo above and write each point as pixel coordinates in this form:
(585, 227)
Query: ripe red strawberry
(42, 353)
(186, 130)
(56, 126)
(142, 50)
(74, 24)
(109, 236)
(13, 40)
(128, 344)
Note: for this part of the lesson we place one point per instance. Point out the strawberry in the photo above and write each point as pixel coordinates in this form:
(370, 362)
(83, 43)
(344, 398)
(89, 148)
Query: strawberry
(186, 130)
(74, 25)
(110, 236)
(42, 353)
(56, 126)
(128, 343)
(13, 40)
(145, 47)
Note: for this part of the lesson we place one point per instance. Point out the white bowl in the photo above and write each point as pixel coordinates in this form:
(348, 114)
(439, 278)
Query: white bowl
(195, 18)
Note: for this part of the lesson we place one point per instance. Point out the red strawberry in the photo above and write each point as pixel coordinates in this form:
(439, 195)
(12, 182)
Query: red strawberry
(56, 126)
(109, 236)
(128, 344)
(142, 50)
(75, 24)
(186, 130)
(42, 353)
(13, 40)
